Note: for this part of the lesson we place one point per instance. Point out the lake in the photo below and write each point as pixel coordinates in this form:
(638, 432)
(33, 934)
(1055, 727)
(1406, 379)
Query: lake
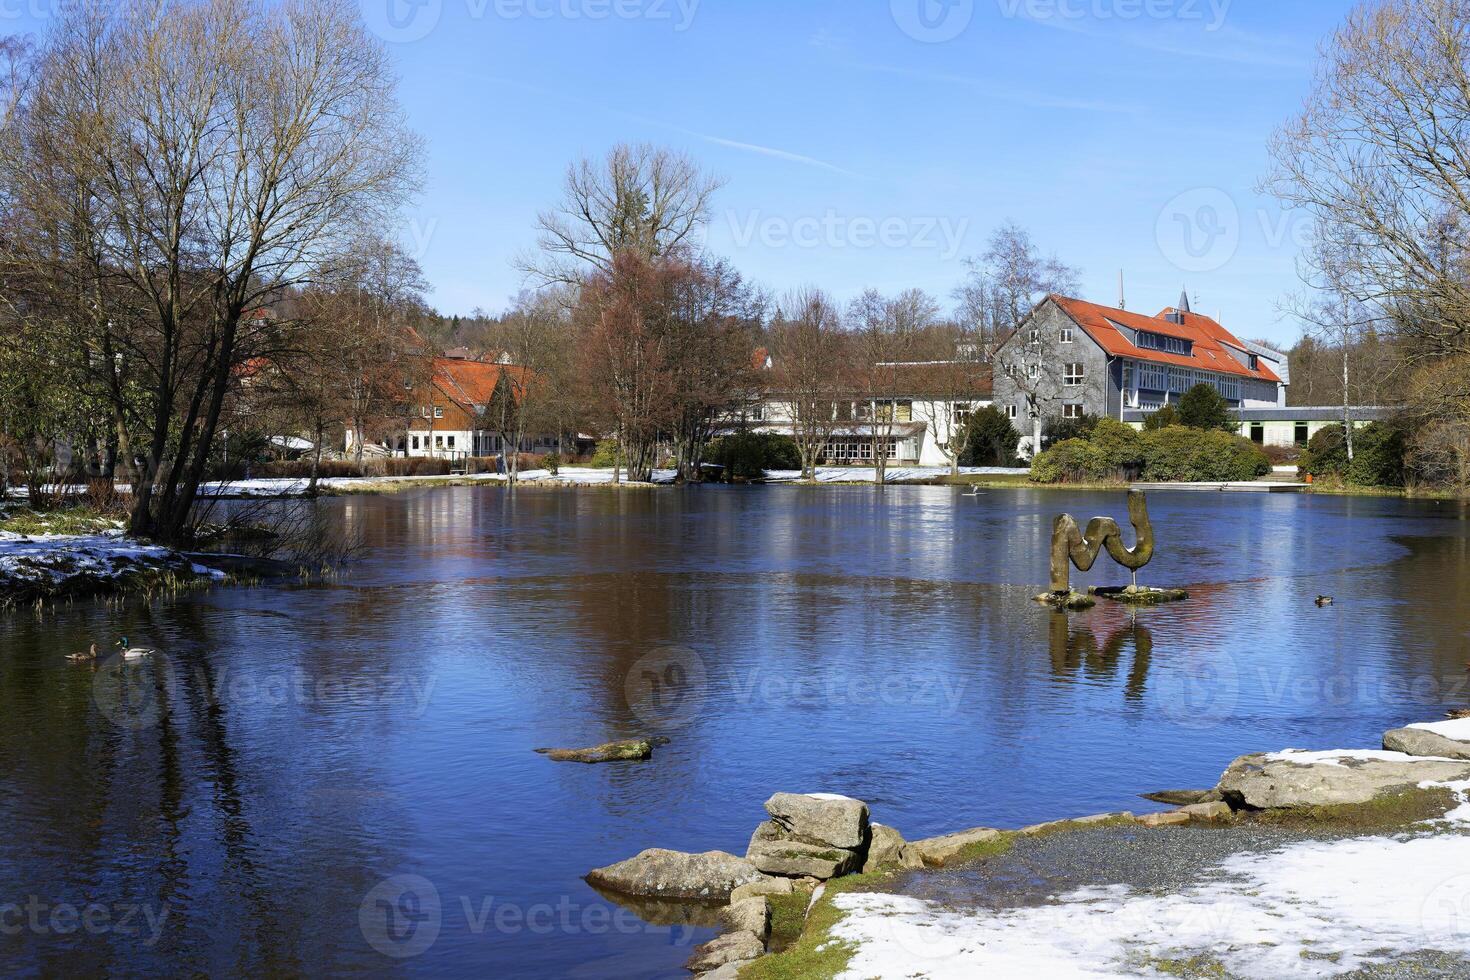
(304, 756)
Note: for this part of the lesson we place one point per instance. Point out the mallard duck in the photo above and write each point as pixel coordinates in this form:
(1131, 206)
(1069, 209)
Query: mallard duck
(1325, 600)
(84, 656)
(134, 653)
(1460, 715)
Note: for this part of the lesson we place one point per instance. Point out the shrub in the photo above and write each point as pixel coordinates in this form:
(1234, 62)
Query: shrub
(552, 462)
(747, 455)
(301, 469)
(606, 454)
(1202, 407)
(1072, 461)
(990, 439)
(1120, 447)
(1378, 456)
(1183, 455)
(1326, 453)
(415, 466)
(1162, 419)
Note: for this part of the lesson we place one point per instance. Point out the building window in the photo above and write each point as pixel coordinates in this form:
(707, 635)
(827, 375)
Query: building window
(1303, 434)
(438, 442)
(1034, 336)
(438, 412)
(1033, 370)
(415, 442)
(1067, 336)
(1073, 375)
(1012, 412)
(1071, 411)
(451, 442)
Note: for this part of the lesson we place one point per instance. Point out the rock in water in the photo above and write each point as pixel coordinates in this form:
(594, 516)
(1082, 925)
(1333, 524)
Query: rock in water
(795, 859)
(883, 847)
(633, 751)
(1446, 740)
(732, 947)
(1287, 780)
(1184, 797)
(657, 873)
(835, 821)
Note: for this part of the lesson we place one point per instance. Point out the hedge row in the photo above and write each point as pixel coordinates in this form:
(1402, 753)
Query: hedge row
(1115, 452)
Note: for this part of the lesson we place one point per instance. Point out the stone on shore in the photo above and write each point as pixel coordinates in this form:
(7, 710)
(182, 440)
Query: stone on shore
(797, 859)
(935, 852)
(1444, 740)
(884, 845)
(748, 915)
(1208, 812)
(657, 873)
(766, 886)
(1174, 818)
(1076, 823)
(634, 751)
(1316, 779)
(836, 821)
(732, 947)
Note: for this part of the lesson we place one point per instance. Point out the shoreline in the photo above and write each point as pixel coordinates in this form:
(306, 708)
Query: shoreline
(1281, 839)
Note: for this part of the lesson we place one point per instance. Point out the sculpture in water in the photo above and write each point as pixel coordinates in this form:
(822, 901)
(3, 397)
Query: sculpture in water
(1070, 546)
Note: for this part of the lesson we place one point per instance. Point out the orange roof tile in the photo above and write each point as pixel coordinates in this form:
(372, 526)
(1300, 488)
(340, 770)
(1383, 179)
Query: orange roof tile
(472, 383)
(1208, 338)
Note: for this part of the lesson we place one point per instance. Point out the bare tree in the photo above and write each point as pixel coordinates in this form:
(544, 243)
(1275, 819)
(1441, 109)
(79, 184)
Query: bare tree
(190, 162)
(810, 371)
(1379, 158)
(1005, 284)
(645, 200)
(887, 332)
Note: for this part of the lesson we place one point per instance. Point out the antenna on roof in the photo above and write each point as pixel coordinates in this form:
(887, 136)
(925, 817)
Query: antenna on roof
(1122, 297)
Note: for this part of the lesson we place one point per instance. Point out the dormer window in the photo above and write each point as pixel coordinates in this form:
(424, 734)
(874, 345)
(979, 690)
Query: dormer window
(1165, 343)
(1255, 362)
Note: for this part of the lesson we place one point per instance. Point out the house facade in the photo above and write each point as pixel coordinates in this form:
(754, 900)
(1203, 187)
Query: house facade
(445, 418)
(1072, 358)
(926, 415)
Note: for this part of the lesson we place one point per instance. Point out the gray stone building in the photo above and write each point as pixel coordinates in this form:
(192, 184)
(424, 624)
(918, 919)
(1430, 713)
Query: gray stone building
(1072, 358)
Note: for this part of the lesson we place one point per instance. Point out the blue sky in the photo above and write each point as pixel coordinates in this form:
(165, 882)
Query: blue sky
(867, 145)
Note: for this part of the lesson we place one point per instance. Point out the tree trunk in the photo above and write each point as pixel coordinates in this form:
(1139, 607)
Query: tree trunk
(1347, 414)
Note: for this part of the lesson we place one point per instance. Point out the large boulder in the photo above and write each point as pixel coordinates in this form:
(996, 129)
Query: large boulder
(657, 873)
(732, 947)
(797, 859)
(766, 886)
(1286, 780)
(821, 818)
(935, 852)
(884, 846)
(1444, 740)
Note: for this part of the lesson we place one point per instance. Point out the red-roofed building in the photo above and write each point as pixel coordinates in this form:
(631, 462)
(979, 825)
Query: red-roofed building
(447, 420)
(1073, 358)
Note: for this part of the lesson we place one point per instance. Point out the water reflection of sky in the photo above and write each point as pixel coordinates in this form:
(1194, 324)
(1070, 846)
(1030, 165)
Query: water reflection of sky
(315, 739)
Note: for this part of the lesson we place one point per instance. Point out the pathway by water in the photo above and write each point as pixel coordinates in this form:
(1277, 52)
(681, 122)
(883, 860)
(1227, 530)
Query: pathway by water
(237, 805)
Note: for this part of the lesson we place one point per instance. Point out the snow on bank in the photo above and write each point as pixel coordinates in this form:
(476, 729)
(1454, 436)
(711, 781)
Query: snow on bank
(1458, 730)
(1319, 909)
(895, 474)
(49, 563)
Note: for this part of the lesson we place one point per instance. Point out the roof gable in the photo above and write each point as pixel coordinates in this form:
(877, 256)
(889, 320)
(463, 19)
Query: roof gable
(1209, 341)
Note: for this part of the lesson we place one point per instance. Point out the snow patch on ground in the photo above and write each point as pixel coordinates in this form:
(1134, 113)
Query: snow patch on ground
(1339, 756)
(896, 474)
(1458, 730)
(1318, 909)
(49, 560)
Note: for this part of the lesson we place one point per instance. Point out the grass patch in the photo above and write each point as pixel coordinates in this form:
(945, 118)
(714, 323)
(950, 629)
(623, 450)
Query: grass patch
(1194, 968)
(1384, 813)
(70, 520)
(984, 850)
(803, 947)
